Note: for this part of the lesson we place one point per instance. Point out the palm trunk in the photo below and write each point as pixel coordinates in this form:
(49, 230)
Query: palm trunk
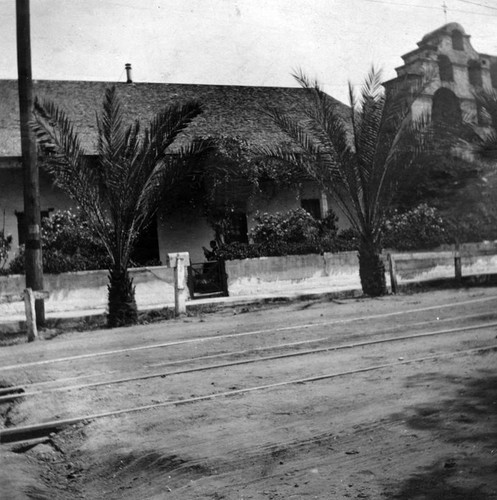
(122, 304)
(371, 268)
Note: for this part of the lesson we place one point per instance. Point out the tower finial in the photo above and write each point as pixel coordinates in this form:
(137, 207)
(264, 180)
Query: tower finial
(444, 7)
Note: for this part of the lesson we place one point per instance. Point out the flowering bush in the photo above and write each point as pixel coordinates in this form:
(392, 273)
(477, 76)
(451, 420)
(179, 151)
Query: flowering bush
(417, 229)
(68, 245)
(294, 226)
(295, 232)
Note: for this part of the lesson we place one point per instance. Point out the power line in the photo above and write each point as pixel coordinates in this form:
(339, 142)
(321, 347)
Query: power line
(432, 7)
(405, 4)
(479, 4)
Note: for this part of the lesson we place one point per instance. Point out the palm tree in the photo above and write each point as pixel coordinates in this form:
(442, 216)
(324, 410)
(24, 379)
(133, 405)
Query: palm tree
(485, 141)
(357, 159)
(484, 148)
(118, 192)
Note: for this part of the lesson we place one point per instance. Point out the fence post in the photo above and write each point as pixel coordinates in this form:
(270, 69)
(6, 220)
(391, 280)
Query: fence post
(224, 277)
(179, 286)
(393, 273)
(458, 265)
(29, 305)
(179, 261)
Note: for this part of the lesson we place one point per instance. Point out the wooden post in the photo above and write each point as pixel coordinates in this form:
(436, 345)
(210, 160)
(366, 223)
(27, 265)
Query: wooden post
(393, 273)
(458, 266)
(29, 305)
(179, 286)
(33, 260)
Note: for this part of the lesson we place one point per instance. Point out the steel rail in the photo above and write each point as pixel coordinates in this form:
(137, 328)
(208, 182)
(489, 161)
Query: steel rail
(241, 334)
(22, 395)
(22, 387)
(10, 435)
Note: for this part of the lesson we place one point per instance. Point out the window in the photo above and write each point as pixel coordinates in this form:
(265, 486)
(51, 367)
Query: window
(445, 69)
(457, 40)
(445, 108)
(312, 206)
(236, 229)
(474, 73)
(21, 224)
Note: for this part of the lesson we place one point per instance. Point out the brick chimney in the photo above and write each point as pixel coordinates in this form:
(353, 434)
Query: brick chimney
(129, 78)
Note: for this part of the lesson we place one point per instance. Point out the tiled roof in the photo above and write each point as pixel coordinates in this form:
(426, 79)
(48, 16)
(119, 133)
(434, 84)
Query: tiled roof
(229, 111)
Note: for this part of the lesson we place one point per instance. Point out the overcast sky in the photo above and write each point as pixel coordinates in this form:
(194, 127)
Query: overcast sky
(233, 42)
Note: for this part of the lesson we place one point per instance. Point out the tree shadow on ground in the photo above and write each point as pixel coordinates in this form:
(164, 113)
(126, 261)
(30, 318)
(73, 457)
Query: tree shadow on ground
(467, 423)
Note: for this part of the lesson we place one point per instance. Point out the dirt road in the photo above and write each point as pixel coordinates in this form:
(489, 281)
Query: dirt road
(388, 398)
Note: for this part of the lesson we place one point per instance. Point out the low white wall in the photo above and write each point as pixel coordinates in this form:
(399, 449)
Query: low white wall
(293, 274)
(483, 263)
(332, 272)
(414, 267)
(88, 290)
(476, 258)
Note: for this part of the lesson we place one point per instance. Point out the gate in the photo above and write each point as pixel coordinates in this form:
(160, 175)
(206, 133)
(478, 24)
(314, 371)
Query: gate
(207, 279)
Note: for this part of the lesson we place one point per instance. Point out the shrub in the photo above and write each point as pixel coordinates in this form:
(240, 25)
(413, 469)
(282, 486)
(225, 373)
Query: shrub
(5, 246)
(295, 232)
(293, 226)
(68, 245)
(471, 227)
(237, 251)
(417, 229)
(346, 240)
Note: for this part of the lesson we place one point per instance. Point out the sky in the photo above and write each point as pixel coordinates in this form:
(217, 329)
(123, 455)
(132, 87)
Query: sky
(233, 42)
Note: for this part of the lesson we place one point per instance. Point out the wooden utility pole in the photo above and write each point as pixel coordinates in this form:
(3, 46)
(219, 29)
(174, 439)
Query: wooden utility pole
(33, 260)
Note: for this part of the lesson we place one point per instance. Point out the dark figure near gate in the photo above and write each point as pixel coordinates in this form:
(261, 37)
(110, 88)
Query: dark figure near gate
(212, 253)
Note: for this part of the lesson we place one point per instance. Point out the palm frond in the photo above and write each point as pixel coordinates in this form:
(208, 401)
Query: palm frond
(168, 124)
(110, 126)
(407, 143)
(323, 113)
(487, 99)
(157, 138)
(367, 157)
(67, 162)
(485, 143)
(120, 191)
(63, 155)
(368, 114)
(400, 139)
(304, 81)
(328, 125)
(372, 88)
(56, 137)
(166, 173)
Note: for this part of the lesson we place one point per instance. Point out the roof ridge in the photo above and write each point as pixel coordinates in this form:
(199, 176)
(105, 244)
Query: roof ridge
(44, 80)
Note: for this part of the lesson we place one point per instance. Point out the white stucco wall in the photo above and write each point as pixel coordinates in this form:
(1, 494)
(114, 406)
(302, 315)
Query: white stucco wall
(87, 290)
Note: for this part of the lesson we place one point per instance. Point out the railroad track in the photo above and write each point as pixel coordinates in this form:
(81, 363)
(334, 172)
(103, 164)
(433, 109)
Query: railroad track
(27, 390)
(298, 328)
(37, 430)
(25, 433)
(22, 392)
